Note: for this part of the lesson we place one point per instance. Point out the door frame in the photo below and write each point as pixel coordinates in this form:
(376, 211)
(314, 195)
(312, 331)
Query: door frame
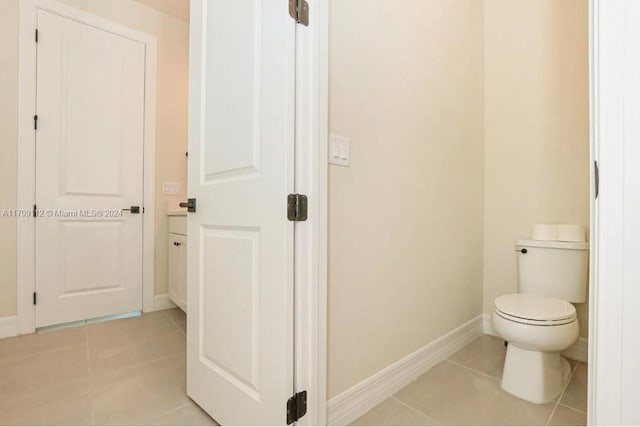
(311, 241)
(612, 354)
(26, 150)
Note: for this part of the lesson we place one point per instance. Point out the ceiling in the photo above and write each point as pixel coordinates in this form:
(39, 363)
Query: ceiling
(176, 8)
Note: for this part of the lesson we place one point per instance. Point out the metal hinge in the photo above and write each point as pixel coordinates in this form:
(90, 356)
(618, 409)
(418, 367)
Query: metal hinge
(35, 298)
(596, 173)
(296, 407)
(299, 10)
(35, 211)
(297, 207)
(37, 35)
(35, 122)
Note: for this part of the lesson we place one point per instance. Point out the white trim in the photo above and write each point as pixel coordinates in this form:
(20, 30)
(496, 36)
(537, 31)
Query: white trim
(312, 127)
(578, 351)
(358, 400)
(487, 327)
(162, 302)
(615, 295)
(8, 327)
(26, 150)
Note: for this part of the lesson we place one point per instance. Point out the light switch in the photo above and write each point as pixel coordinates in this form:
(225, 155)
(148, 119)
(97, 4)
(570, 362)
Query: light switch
(171, 188)
(339, 150)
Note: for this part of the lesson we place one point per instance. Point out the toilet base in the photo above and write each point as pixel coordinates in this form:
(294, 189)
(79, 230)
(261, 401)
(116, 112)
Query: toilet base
(535, 376)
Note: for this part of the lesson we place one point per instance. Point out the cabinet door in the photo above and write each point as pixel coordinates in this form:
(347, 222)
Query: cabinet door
(178, 270)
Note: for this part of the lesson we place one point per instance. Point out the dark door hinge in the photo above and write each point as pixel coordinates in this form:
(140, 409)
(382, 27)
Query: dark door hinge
(35, 211)
(297, 207)
(35, 122)
(299, 10)
(35, 298)
(296, 407)
(37, 34)
(596, 174)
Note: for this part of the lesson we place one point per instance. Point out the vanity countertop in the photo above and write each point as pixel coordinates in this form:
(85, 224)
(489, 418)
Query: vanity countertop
(177, 212)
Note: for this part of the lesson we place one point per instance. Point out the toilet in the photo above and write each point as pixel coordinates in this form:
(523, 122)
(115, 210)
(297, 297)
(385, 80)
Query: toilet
(540, 321)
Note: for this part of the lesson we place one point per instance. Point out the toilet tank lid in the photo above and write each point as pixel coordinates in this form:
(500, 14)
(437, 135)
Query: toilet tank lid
(551, 244)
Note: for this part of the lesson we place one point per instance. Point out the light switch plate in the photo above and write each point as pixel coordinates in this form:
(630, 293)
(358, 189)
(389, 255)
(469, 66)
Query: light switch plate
(171, 188)
(339, 150)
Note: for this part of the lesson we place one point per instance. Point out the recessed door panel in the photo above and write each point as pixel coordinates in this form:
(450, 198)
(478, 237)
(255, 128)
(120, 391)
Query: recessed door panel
(230, 291)
(90, 258)
(231, 137)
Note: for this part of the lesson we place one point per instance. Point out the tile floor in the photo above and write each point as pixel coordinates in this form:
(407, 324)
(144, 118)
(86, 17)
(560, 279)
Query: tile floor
(121, 372)
(132, 372)
(465, 390)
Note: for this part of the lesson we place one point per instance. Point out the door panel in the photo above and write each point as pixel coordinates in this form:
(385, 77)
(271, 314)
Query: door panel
(89, 158)
(241, 168)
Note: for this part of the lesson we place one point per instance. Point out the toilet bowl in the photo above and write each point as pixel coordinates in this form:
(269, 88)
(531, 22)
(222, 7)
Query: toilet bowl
(537, 329)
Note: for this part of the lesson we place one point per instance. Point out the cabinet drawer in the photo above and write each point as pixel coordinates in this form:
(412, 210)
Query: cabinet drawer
(178, 225)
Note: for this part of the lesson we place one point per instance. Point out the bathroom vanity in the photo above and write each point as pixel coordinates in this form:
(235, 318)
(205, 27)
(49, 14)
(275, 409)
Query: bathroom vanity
(178, 258)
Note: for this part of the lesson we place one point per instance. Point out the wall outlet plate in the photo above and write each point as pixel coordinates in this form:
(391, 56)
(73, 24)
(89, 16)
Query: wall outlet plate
(339, 150)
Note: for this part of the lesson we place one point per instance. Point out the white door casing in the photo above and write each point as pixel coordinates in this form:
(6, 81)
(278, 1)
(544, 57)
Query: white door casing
(241, 168)
(89, 162)
(614, 370)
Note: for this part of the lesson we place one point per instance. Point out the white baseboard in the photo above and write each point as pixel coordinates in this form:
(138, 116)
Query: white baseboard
(162, 302)
(579, 351)
(358, 400)
(487, 328)
(8, 326)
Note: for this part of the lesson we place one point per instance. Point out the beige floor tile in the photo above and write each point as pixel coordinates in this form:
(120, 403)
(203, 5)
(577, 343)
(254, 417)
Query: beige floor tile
(29, 408)
(575, 396)
(179, 317)
(392, 412)
(27, 345)
(108, 351)
(129, 325)
(485, 354)
(64, 412)
(454, 395)
(138, 394)
(188, 415)
(568, 417)
(43, 371)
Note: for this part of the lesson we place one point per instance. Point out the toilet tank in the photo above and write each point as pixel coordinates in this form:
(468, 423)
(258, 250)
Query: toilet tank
(553, 269)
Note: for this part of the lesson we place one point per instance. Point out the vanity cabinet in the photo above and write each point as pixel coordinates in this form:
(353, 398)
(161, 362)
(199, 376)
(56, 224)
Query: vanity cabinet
(178, 260)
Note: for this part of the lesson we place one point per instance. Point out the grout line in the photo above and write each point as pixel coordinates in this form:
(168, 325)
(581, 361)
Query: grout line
(415, 410)
(564, 388)
(573, 409)
(473, 370)
(172, 410)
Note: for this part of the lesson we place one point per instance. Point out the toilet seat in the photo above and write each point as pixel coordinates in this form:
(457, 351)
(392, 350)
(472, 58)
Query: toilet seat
(534, 310)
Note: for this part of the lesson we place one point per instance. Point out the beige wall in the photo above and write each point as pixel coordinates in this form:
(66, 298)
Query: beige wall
(406, 219)
(8, 151)
(171, 164)
(536, 130)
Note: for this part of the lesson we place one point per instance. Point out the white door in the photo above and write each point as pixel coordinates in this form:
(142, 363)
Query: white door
(241, 168)
(89, 158)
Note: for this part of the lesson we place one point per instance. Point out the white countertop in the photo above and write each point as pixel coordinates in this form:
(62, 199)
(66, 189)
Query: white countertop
(177, 212)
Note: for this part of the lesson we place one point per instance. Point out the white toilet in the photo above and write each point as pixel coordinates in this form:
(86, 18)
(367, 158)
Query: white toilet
(539, 322)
